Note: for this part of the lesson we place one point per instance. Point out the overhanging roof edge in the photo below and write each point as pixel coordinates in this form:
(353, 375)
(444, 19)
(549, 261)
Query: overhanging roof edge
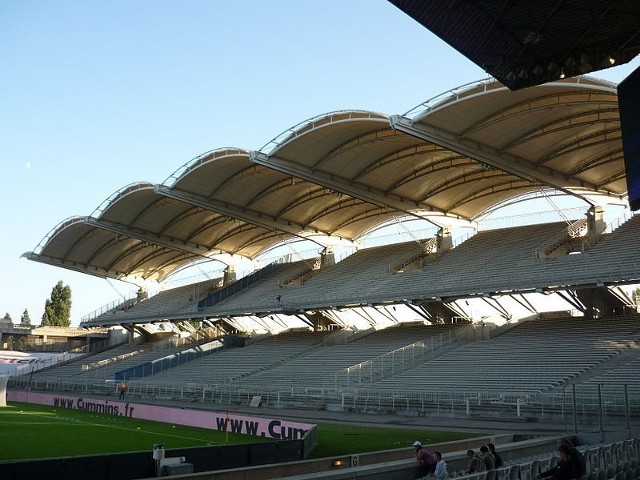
(310, 124)
(202, 159)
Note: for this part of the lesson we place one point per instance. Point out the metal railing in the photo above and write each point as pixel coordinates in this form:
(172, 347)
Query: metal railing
(390, 363)
(572, 230)
(588, 407)
(113, 305)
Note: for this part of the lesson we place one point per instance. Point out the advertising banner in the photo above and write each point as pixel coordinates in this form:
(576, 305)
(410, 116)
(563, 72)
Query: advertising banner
(223, 421)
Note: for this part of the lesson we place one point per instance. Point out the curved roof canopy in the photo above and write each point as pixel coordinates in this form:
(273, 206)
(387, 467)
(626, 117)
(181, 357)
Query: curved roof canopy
(339, 175)
(563, 135)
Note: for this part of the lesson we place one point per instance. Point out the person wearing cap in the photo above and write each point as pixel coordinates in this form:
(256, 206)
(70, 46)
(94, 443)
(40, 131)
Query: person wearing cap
(425, 459)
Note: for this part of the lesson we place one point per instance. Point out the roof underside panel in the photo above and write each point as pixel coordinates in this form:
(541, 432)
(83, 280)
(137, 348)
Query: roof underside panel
(291, 204)
(524, 43)
(571, 127)
(400, 170)
(100, 252)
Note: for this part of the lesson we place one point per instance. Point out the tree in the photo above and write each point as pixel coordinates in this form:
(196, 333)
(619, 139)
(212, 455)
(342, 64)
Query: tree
(57, 309)
(10, 343)
(21, 344)
(7, 318)
(25, 320)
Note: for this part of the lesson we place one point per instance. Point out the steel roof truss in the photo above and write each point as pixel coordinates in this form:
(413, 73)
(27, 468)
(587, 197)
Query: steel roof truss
(418, 150)
(522, 300)
(541, 104)
(254, 218)
(148, 237)
(74, 266)
(341, 185)
(571, 297)
(575, 145)
(509, 185)
(437, 166)
(420, 310)
(496, 305)
(466, 177)
(109, 244)
(486, 154)
(145, 258)
(598, 161)
(560, 125)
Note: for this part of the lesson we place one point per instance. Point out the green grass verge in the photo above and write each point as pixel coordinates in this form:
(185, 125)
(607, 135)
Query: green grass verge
(342, 439)
(29, 431)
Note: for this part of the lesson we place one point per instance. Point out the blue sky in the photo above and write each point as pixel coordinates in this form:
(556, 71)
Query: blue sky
(97, 95)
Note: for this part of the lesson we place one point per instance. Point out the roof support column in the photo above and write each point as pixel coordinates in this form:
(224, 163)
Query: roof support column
(327, 258)
(595, 221)
(420, 310)
(572, 298)
(497, 306)
(229, 275)
(444, 239)
(522, 300)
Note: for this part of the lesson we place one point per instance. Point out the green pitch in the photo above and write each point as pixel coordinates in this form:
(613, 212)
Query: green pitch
(30, 431)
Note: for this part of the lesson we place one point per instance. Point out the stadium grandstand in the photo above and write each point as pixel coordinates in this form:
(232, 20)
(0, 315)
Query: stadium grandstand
(358, 250)
(474, 256)
(337, 312)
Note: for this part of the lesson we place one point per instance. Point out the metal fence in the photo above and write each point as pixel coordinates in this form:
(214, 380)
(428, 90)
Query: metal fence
(583, 407)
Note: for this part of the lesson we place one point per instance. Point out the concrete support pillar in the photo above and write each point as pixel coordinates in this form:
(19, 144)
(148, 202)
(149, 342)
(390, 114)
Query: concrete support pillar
(444, 239)
(595, 221)
(142, 294)
(229, 275)
(327, 258)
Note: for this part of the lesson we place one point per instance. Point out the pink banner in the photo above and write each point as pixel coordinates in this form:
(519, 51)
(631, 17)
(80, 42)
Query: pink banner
(264, 427)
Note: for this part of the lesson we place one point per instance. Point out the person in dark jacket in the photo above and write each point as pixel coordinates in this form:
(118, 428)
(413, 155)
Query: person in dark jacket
(476, 462)
(577, 458)
(564, 470)
(496, 455)
(489, 460)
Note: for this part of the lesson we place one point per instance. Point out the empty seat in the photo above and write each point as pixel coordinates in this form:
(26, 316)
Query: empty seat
(514, 472)
(503, 473)
(535, 468)
(608, 458)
